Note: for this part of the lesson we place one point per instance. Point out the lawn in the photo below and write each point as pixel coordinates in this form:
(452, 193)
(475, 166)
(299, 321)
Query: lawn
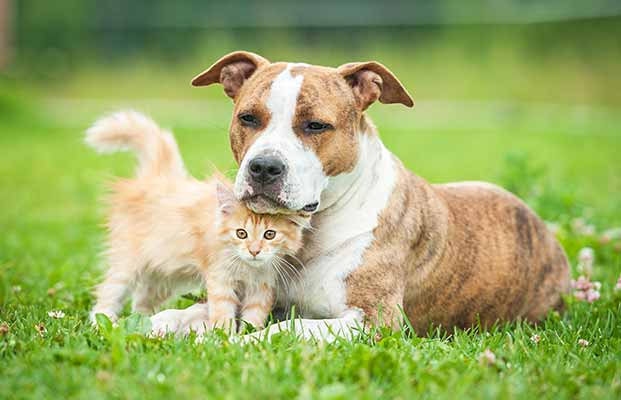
(563, 159)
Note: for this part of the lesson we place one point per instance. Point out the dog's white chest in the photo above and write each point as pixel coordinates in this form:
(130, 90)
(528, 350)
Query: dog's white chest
(342, 235)
(322, 291)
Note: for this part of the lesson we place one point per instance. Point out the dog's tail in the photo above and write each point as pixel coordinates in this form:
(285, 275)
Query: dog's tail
(155, 148)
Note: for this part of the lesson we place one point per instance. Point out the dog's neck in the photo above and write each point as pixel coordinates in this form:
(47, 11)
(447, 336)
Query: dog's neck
(371, 154)
(352, 202)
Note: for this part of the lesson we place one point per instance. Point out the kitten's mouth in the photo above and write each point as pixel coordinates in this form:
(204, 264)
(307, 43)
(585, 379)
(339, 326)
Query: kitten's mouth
(260, 262)
(255, 263)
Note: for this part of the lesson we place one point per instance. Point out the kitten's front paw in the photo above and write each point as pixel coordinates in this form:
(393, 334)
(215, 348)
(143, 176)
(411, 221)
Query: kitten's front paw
(112, 316)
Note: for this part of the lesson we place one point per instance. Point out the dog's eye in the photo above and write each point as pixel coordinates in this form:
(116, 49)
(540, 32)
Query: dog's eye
(316, 127)
(269, 234)
(249, 120)
(241, 233)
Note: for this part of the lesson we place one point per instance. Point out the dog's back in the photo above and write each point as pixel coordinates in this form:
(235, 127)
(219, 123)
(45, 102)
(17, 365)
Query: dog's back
(500, 262)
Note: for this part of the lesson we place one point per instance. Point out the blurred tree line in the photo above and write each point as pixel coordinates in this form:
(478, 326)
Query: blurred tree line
(59, 31)
(54, 38)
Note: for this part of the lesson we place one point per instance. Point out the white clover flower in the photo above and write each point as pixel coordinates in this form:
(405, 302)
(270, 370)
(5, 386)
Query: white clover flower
(553, 227)
(56, 314)
(586, 258)
(610, 234)
(580, 226)
(487, 358)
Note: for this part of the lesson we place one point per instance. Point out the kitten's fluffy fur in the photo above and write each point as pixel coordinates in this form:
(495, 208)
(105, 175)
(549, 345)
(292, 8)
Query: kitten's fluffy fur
(169, 232)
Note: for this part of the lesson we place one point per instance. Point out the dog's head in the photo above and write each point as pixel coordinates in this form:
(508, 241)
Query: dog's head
(295, 126)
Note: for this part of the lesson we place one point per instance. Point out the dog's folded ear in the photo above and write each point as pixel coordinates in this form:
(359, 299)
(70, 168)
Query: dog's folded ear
(371, 81)
(231, 71)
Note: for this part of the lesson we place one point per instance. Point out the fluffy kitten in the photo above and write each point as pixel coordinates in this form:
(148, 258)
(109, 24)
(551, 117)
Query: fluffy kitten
(169, 232)
(250, 259)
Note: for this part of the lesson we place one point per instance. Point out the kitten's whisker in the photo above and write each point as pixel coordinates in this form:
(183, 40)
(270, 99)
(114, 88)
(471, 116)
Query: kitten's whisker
(282, 277)
(285, 270)
(276, 285)
(289, 281)
(293, 256)
(297, 274)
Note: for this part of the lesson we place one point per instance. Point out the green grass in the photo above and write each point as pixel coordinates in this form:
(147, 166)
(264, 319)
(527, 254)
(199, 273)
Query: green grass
(563, 160)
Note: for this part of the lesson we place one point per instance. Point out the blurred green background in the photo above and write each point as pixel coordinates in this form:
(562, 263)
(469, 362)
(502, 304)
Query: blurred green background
(526, 86)
(523, 93)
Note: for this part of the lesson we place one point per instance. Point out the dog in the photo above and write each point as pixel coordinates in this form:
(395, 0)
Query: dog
(386, 242)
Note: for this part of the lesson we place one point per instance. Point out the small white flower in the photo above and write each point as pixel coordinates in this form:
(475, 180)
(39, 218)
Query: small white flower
(583, 343)
(592, 295)
(56, 314)
(611, 234)
(16, 289)
(535, 338)
(553, 227)
(586, 258)
(487, 358)
(580, 226)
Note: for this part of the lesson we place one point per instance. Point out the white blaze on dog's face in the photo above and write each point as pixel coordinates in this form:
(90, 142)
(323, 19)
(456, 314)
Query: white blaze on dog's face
(303, 178)
(295, 126)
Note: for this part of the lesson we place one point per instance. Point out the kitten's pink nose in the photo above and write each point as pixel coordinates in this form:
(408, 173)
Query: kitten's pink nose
(254, 248)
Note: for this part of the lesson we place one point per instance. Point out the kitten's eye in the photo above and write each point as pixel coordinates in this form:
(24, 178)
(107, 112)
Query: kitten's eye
(242, 234)
(249, 120)
(269, 234)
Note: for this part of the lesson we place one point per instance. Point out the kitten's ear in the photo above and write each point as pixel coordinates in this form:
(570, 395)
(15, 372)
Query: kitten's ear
(226, 199)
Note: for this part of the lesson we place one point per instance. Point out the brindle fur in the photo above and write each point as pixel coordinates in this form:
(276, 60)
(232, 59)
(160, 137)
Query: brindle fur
(476, 253)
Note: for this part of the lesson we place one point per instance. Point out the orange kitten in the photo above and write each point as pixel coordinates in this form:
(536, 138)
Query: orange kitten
(169, 232)
(251, 255)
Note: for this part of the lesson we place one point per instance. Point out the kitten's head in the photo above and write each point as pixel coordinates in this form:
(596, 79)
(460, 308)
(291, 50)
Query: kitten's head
(256, 238)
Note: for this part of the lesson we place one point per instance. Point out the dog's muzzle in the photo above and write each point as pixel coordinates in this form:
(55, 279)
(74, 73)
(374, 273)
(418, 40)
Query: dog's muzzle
(267, 187)
(265, 177)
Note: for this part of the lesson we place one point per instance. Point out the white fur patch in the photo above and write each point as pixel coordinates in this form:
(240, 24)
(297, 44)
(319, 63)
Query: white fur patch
(344, 228)
(347, 326)
(305, 179)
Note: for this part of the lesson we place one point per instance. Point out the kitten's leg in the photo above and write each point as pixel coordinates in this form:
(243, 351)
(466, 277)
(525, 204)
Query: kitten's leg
(111, 294)
(222, 305)
(257, 304)
(149, 295)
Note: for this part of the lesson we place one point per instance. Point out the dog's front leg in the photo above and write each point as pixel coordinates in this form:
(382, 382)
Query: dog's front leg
(181, 322)
(347, 326)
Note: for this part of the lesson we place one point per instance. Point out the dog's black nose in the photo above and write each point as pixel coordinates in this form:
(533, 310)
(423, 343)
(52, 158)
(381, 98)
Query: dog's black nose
(266, 169)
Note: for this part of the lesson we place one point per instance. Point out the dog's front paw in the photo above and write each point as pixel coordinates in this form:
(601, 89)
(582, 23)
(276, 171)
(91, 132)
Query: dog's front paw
(180, 322)
(167, 321)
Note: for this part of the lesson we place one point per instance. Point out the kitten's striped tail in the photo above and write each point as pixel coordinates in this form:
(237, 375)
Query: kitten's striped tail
(155, 148)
